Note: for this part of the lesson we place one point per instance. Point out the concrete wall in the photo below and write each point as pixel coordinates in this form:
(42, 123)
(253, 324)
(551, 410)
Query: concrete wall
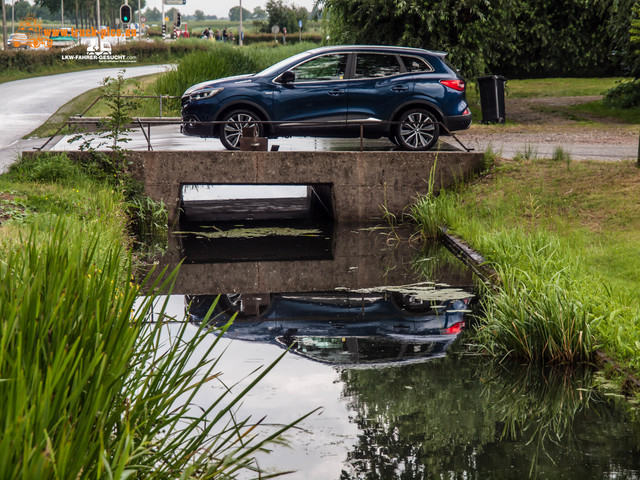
(359, 258)
(362, 182)
(359, 183)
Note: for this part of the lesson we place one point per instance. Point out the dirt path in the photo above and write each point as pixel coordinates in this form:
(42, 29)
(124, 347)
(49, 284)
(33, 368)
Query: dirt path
(538, 126)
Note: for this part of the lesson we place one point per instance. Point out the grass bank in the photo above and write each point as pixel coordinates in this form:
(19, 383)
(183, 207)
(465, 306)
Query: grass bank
(89, 387)
(563, 237)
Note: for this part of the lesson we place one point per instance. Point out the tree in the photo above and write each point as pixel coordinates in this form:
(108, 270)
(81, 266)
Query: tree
(518, 38)
(199, 14)
(470, 30)
(259, 14)
(285, 16)
(153, 14)
(234, 14)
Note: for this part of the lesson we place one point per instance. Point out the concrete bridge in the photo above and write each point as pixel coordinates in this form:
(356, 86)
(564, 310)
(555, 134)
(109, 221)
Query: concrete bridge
(356, 186)
(353, 186)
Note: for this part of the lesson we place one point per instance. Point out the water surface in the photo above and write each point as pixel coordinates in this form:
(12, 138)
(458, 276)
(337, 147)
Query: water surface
(399, 396)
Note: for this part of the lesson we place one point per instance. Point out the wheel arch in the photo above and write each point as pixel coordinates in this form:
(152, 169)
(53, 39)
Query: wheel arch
(419, 104)
(245, 105)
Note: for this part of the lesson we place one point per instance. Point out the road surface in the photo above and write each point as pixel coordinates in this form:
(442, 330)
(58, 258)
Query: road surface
(28, 103)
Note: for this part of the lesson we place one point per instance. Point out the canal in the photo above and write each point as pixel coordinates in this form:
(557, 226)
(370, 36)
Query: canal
(376, 325)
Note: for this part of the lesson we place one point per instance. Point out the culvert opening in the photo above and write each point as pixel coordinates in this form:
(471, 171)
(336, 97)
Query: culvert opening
(242, 202)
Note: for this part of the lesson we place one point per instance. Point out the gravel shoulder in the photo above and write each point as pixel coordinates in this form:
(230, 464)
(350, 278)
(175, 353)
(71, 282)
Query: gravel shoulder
(537, 127)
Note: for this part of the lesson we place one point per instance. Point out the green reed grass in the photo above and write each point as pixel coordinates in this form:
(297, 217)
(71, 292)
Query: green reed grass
(540, 310)
(87, 389)
(222, 61)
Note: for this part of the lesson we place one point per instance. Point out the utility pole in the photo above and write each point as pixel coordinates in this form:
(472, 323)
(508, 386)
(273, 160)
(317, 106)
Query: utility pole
(13, 16)
(164, 26)
(140, 20)
(4, 26)
(240, 30)
(61, 11)
(99, 22)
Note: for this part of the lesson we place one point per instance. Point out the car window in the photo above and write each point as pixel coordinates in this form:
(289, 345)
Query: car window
(416, 64)
(375, 65)
(326, 67)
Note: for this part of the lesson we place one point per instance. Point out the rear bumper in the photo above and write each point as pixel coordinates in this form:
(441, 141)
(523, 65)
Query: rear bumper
(458, 122)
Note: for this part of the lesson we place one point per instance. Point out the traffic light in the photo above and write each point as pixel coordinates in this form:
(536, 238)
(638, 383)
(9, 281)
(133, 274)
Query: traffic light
(177, 19)
(125, 13)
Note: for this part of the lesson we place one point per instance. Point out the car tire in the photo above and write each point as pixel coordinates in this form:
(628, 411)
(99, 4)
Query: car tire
(231, 131)
(417, 130)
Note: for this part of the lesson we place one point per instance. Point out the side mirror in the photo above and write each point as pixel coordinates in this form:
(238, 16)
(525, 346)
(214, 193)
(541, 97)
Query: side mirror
(287, 77)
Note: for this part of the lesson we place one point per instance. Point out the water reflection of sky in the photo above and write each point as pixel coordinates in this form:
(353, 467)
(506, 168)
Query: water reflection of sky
(294, 387)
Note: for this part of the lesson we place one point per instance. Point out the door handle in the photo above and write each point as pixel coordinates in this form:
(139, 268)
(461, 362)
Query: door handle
(336, 92)
(400, 88)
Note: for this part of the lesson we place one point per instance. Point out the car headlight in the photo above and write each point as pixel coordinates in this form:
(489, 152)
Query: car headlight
(205, 93)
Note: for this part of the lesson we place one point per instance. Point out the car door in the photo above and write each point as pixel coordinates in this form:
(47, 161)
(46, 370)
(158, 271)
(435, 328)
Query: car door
(317, 94)
(380, 84)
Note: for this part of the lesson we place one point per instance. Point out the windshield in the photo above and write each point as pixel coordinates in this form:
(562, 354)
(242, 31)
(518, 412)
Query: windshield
(273, 69)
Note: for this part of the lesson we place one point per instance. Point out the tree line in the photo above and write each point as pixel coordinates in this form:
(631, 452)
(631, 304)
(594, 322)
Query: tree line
(515, 38)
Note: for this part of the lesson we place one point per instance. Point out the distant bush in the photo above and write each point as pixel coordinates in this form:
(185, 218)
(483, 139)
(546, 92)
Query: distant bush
(625, 95)
(34, 60)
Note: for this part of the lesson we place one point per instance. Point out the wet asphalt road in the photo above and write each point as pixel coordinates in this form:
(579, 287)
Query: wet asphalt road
(28, 103)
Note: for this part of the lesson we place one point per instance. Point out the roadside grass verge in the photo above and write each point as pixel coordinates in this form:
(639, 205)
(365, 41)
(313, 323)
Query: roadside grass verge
(597, 110)
(563, 238)
(217, 61)
(90, 388)
(588, 114)
(147, 107)
(560, 87)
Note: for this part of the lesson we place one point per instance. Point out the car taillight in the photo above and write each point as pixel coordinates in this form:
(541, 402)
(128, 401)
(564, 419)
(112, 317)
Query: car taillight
(454, 329)
(455, 84)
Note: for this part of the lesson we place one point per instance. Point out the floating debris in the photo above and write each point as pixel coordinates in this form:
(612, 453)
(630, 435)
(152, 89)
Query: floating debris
(257, 232)
(422, 291)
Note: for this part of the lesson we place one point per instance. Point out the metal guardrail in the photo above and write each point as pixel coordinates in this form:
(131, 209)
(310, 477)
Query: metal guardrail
(148, 122)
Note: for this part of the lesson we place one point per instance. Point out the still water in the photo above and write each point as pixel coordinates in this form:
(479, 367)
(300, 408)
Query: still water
(376, 324)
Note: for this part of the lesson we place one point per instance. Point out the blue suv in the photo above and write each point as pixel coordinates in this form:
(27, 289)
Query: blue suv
(409, 95)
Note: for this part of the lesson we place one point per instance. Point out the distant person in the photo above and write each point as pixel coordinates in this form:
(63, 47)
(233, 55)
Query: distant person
(231, 37)
(218, 35)
(205, 34)
(210, 35)
(225, 37)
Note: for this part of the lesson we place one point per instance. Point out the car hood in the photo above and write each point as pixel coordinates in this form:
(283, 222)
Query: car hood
(221, 82)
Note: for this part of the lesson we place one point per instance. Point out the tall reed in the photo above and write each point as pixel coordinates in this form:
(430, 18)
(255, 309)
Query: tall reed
(542, 310)
(87, 390)
(222, 61)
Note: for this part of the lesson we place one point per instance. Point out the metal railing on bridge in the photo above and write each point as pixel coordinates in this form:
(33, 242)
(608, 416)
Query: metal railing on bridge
(148, 122)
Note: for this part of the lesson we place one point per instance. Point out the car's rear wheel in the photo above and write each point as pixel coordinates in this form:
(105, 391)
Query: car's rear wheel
(235, 122)
(417, 130)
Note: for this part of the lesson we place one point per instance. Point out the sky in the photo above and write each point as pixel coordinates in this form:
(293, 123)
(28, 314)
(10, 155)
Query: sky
(221, 8)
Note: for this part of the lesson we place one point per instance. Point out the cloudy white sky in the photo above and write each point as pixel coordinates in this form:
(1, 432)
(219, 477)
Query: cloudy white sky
(221, 7)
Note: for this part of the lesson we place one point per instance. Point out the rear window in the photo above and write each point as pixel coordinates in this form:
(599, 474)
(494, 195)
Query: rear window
(375, 65)
(416, 64)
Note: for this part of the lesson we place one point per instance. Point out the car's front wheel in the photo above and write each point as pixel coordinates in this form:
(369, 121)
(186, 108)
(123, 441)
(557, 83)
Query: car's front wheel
(235, 122)
(417, 130)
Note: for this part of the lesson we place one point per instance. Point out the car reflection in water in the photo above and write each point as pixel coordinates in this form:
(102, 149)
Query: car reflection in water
(340, 327)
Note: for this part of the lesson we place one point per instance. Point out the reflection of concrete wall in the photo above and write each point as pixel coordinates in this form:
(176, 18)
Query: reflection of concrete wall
(361, 181)
(361, 259)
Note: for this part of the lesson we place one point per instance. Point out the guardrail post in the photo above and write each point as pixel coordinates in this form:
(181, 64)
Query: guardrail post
(160, 103)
